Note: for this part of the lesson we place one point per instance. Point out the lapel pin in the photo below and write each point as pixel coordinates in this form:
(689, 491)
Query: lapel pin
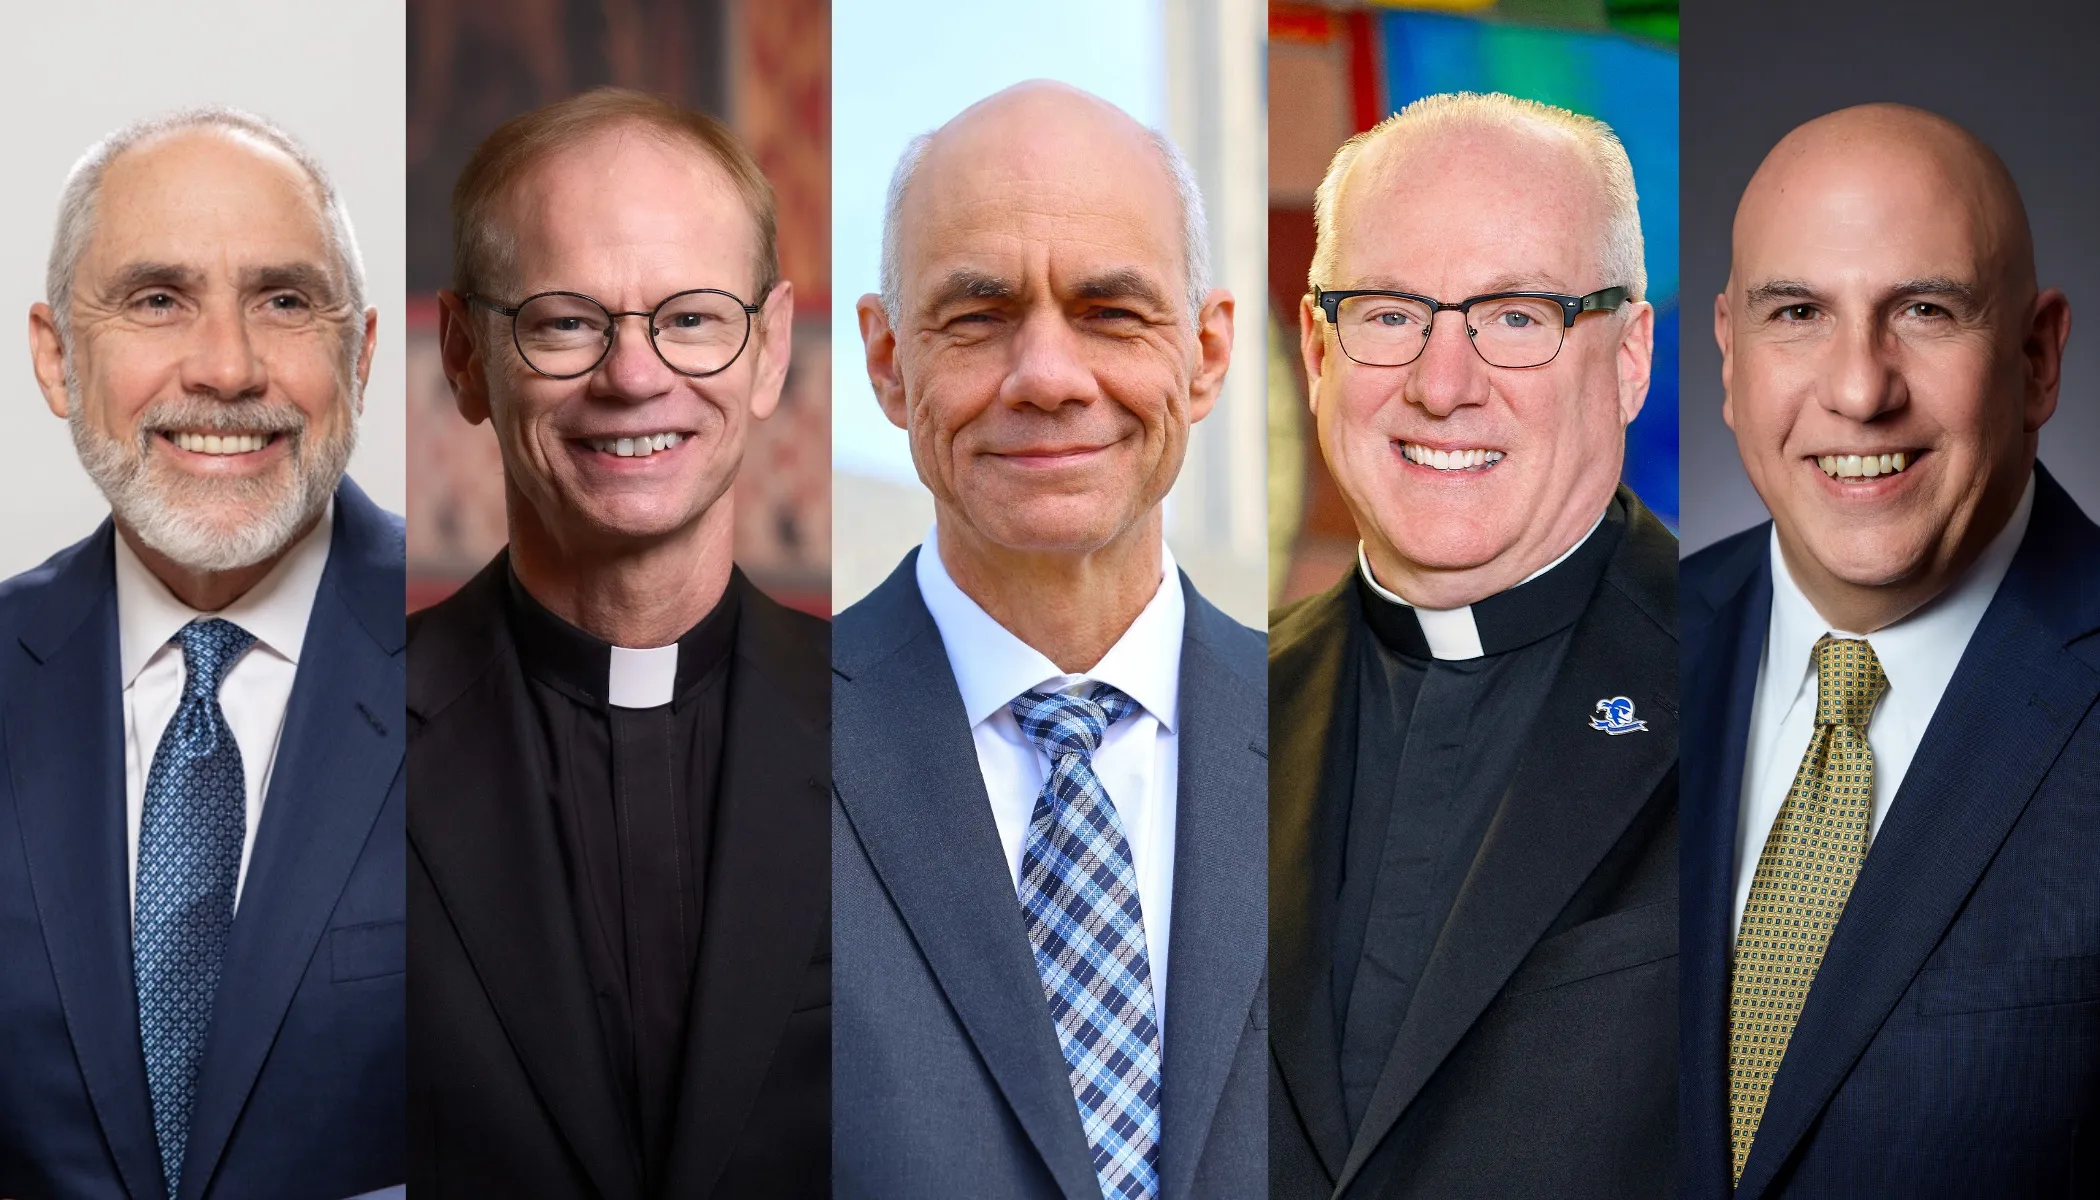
(1615, 716)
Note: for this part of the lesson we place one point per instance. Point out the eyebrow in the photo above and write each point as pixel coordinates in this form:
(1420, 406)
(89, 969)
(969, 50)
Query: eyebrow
(1125, 284)
(1501, 283)
(964, 284)
(1780, 289)
(134, 275)
(298, 276)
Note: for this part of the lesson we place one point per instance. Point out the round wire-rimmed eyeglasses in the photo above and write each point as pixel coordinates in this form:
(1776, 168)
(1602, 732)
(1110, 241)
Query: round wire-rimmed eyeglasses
(1516, 330)
(565, 335)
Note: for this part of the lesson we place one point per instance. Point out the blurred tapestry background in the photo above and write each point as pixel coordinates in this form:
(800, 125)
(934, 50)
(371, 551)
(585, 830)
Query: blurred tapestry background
(764, 66)
(1189, 67)
(1338, 68)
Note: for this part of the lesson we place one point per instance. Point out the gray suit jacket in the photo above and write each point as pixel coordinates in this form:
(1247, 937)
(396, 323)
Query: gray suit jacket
(946, 1075)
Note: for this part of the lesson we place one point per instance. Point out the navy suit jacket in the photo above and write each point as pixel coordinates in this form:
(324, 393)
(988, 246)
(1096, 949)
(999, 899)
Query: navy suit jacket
(947, 1079)
(1950, 1045)
(300, 1091)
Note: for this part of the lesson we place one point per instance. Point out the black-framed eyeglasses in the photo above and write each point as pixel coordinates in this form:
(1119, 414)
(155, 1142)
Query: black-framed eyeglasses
(563, 335)
(1508, 329)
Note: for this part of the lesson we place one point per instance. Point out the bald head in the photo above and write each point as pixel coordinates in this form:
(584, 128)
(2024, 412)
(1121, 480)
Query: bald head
(1035, 138)
(1889, 164)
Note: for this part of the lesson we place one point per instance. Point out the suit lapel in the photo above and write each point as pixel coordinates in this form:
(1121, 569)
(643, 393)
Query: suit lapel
(1720, 684)
(65, 744)
(337, 760)
(1315, 740)
(907, 776)
(2012, 705)
(484, 831)
(767, 898)
(1220, 935)
(1574, 796)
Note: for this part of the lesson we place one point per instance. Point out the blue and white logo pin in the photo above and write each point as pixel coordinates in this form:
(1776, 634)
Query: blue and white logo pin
(1615, 716)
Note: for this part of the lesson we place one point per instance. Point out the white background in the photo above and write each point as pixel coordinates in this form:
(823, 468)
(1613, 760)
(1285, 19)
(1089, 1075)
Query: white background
(332, 75)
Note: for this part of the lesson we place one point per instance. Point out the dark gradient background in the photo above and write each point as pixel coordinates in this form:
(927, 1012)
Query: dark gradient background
(2023, 75)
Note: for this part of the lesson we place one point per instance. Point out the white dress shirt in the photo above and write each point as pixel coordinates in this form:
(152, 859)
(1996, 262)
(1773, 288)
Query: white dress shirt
(1918, 654)
(1136, 763)
(255, 692)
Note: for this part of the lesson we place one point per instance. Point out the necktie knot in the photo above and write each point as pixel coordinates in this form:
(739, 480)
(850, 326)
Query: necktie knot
(1060, 724)
(209, 649)
(1849, 682)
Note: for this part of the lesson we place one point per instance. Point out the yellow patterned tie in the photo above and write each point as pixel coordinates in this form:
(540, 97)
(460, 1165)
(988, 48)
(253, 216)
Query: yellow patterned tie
(1803, 879)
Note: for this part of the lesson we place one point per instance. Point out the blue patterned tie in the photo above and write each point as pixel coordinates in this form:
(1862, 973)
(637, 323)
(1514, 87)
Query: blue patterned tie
(189, 862)
(1079, 899)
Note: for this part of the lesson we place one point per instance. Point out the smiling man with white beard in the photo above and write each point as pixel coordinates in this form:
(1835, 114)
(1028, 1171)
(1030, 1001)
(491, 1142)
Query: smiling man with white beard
(201, 797)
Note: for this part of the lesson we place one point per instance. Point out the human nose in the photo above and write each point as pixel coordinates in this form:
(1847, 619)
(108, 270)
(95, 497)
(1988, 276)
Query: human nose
(1046, 370)
(1448, 375)
(1864, 379)
(632, 369)
(222, 359)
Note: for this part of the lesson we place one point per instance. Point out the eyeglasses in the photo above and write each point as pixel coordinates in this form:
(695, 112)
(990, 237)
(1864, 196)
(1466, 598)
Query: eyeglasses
(563, 335)
(1507, 329)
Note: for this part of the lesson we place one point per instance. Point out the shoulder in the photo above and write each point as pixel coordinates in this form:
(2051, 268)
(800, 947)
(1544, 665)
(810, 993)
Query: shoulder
(792, 647)
(454, 642)
(1242, 650)
(881, 622)
(1305, 620)
(1707, 578)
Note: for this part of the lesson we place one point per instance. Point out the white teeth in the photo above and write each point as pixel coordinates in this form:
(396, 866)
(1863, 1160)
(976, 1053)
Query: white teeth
(636, 447)
(1862, 466)
(216, 443)
(1448, 460)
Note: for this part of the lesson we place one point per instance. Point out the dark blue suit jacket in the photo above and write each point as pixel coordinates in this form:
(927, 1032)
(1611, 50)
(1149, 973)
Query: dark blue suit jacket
(300, 1091)
(1950, 1045)
(946, 1076)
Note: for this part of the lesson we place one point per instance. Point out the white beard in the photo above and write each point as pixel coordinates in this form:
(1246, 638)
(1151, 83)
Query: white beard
(206, 524)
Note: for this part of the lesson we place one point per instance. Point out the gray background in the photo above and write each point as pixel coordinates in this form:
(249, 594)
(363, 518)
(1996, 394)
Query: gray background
(2023, 75)
(334, 75)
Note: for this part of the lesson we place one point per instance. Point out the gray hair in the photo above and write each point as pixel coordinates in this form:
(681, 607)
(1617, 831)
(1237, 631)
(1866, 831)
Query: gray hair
(1622, 254)
(1195, 227)
(76, 207)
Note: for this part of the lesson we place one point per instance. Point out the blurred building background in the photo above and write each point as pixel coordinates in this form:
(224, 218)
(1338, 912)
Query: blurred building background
(1190, 67)
(1338, 68)
(763, 66)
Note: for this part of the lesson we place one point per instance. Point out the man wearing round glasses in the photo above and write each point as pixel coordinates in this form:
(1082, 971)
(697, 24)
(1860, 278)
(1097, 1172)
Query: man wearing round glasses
(1473, 799)
(618, 745)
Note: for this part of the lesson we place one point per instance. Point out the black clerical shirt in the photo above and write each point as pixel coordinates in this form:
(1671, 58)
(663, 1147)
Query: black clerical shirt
(1438, 741)
(633, 790)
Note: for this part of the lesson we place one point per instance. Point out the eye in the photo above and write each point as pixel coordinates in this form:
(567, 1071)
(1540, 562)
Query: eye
(1925, 310)
(288, 302)
(1115, 314)
(156, 302)
(1516, 319)
(1797, 313)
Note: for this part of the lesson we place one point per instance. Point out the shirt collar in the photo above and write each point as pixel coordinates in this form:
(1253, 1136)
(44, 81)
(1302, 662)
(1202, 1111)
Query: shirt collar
(1913, 651)
(596, 672)
(1504, 621)
(992, 666)
(276, 610)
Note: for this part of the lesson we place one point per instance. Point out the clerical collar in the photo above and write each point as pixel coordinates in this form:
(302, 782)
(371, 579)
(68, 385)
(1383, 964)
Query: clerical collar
(1543, 604)
(597, 672)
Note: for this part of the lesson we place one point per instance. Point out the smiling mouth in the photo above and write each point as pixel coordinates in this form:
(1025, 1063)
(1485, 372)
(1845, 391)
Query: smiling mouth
(1451, 461)
(219, 444)
(1858, 468)
(638, 446)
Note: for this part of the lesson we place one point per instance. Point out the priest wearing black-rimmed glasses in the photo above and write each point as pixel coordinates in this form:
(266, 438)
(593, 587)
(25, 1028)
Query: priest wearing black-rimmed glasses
(1473, 788)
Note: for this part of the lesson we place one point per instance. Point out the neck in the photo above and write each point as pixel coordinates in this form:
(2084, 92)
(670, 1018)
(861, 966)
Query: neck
(209, 591)
(638, 594)
(1870, 608)
(1439, 588)
(1070, 607)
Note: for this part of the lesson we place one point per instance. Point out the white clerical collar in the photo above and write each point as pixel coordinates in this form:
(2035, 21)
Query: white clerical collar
(642, 678)
(1452, 633)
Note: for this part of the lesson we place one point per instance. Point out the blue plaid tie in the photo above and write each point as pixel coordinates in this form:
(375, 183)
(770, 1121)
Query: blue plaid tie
(189, 861)
(1079, 898)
